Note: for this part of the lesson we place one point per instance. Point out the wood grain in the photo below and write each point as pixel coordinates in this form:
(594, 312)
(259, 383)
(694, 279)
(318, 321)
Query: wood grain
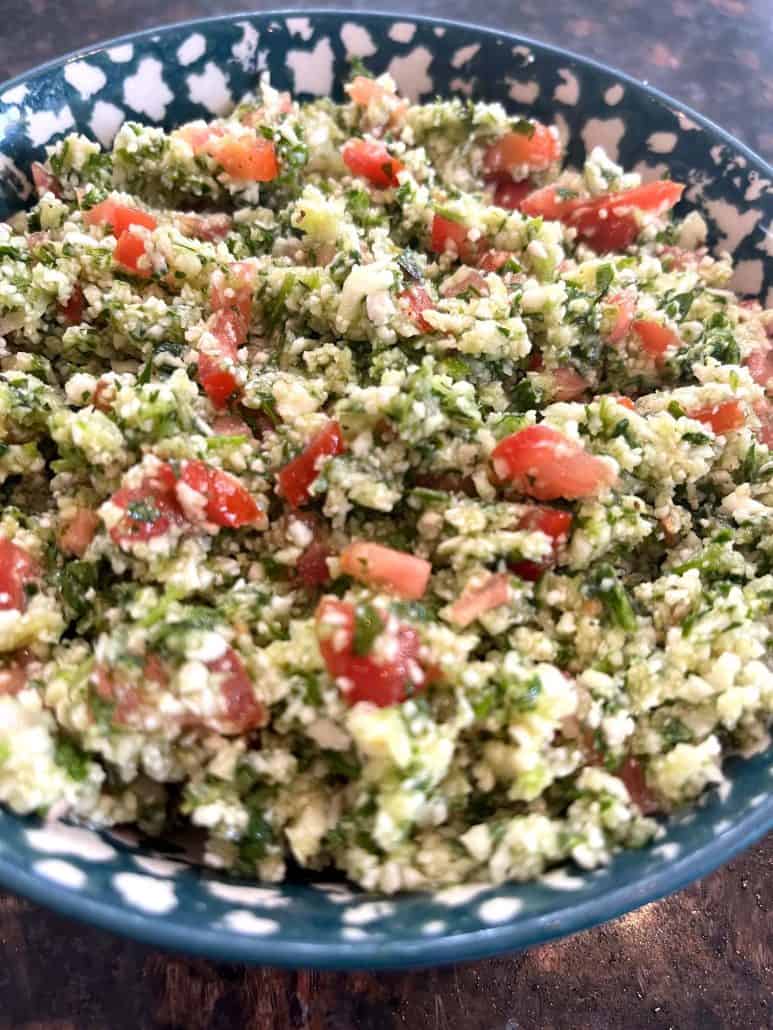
(701, 959)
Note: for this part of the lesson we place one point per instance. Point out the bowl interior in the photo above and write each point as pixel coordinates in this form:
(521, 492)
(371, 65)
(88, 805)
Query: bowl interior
(198, 70)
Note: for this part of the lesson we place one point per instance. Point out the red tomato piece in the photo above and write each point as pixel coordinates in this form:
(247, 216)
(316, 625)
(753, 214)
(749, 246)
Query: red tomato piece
(231, 425)
(625, 305)
(509, 194)
(211, 227)
(624, 402)
(44, 181)
(492, 593)
(216, 365)
(243, 711)
(151, 508)
(228, 502)
(545, 464)
(553, 523)
(723, 418)
(568, 384)
(632, 775)
(247, 158)
(418, 300)
(656, 339)
(518, 150)
(448, 235)
(72, 311)
(493, 260)
(119, 217)
(384, 568)
(372, 161)
(760, 365)
(129, 251)
(297, 476)
(545, 203)
(312, 565)
(79, 532)
(764, 412)
(15, 675)
(17, 569)
(381, 681)
(362, 90)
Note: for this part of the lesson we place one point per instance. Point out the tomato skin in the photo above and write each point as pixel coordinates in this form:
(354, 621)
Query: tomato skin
(228, 503)
(247, 158)
(129, 250)
(625, 304)
(79, 532)
(509, 194)
(418, 300)
(723, 418)
(568, 384)
(546, 465)
(297, 476)
(243, 711)
(384, 568)
(445, 231)
(607, 222)
(492, 593)
(72, 311)
(656, 339)
(632, 775)
(17, 568)
(515, 150)
(119, 217)
(44, 181)
(216, 364)
(382, 683)
(760, 365)
(372, 161)
(553, 522)
(155, 509)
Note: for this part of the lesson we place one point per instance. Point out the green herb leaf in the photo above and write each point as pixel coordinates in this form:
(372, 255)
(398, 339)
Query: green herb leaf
(367, 626)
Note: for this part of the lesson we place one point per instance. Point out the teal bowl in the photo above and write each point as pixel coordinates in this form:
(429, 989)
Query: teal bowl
(195, 70)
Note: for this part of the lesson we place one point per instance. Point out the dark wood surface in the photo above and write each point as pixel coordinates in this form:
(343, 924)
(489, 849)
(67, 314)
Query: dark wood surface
(700, 959)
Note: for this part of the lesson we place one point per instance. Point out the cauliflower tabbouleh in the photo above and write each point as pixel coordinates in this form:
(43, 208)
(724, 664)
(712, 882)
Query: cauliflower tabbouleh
(376, 495)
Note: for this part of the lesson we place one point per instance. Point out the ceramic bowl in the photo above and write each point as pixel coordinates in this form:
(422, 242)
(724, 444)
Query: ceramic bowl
(197, 70)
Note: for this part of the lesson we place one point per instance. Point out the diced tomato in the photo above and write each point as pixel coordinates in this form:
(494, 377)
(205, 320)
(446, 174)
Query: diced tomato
(607, 222)
(15, 675)
(553, 523)
(372, 161)
(723, 418)
(517, 150)
(247, 158)
(546, 203)
(228, 502)
(536, 361)
(312, 565)
(656, 339)
(492, 593)
(151, 508)
(232, 291)
(198, 135)
(632, 775)
(448, 235)
(418, 300)
(231, 425)
(211, 227)
(297, 476)
(217, 364)
(17, 569)
(381, 681)
(493, 260)
(463, 280)
(72, 311)
(624, 402)
(119, 217)
(625, 305)
(760, 365)
(568, 384)
(545, 464)
(44, 181)
(243, 711)
(384, 568)
(105, 393)
(764, 412)
(509, 194)
(79, 532)
(129, 251)
(362, 90)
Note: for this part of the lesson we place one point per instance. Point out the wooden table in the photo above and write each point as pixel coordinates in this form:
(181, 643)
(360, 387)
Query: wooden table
(702, 959)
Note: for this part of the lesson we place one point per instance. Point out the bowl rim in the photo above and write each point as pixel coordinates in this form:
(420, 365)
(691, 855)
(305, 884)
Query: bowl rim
(220, 944)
